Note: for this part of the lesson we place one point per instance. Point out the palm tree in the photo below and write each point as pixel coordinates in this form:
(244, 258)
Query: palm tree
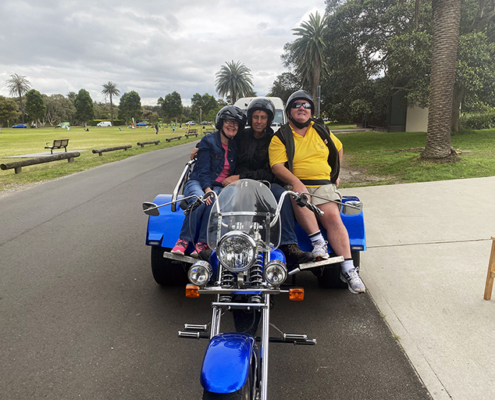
(307, 51)
(110, 89)
(446, 20)
(18, 85)
(234, 80)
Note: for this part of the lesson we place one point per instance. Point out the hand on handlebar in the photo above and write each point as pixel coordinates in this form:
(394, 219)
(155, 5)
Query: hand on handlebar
(302, 201)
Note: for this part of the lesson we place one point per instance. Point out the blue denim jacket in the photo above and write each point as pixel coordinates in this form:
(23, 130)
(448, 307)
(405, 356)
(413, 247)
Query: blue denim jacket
(211, 158)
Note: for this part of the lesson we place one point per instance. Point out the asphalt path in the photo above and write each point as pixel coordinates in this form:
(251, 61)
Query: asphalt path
(82, 318)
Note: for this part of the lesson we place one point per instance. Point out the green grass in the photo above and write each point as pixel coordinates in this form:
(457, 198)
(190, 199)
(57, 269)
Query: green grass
(394, 157)
(28, 141)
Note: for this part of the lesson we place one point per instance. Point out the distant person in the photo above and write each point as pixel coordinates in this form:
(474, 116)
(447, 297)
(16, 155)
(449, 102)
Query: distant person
(173, 128)
(156, 127)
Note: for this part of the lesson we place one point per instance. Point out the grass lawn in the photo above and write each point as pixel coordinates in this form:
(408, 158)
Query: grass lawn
(389, 158)
(29, 141)
(374, 158)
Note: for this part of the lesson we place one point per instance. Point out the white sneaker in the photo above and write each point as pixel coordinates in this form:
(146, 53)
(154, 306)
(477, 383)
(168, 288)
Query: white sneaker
(320, 251)
(354, 282)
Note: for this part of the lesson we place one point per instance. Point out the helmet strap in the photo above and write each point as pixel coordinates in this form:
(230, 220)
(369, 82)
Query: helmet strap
(224, 135)
(300, 125)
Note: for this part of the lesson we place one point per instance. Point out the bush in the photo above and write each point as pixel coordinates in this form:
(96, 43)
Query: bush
(478, 121)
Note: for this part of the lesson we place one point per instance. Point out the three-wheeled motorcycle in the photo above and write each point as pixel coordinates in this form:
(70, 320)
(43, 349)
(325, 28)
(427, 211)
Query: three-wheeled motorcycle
(244, 271)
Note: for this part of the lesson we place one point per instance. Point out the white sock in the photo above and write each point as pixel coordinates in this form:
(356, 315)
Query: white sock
(316, 237)
(347, 265)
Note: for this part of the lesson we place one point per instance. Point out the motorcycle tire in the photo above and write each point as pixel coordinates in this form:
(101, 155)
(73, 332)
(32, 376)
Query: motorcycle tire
(166, 272)
(244, 393)
(330, 276)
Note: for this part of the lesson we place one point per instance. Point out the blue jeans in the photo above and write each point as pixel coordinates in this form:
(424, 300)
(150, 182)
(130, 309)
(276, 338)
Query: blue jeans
(199, 216)
(286, 216)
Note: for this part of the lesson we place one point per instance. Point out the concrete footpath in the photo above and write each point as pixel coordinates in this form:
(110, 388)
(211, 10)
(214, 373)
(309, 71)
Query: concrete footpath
(426, 265)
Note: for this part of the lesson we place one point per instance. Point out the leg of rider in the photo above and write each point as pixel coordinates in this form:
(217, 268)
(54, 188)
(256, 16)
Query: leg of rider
(337, 234)
(203, 230)
(288, 242)
(188, 231)
(308, 222)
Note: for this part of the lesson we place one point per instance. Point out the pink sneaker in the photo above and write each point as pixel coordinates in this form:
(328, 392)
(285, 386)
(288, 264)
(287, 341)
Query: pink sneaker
(199, 248)
(180, 247)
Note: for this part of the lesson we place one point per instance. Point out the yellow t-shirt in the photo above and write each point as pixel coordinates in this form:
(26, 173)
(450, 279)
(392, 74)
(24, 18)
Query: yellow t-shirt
(310, 154)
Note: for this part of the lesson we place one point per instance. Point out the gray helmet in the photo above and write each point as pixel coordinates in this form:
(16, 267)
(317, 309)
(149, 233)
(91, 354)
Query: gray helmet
(231, 112)
(299, 95)
(263, 104)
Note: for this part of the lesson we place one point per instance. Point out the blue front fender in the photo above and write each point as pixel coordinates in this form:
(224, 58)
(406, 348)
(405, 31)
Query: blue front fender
(227, 362)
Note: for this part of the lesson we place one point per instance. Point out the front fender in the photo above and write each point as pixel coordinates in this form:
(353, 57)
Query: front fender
(226, 363)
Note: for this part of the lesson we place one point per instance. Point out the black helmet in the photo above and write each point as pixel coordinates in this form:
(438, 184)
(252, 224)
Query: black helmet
(263, 104)
(231, 112)
(299, 95)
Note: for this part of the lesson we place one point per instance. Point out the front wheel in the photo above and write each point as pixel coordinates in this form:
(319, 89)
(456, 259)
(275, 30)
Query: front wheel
(165, 271)
(244, 393)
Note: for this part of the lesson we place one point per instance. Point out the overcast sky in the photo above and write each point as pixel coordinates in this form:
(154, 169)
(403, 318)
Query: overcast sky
(154, 47)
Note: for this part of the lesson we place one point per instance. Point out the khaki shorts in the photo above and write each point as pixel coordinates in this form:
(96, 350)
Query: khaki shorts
(330, 192)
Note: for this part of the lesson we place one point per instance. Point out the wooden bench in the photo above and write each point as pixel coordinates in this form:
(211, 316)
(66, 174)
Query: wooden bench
(173, 138)
(206, 132)
(101, 151)
(58, 144)
(17, 165)
(155, 142)
(191, 132)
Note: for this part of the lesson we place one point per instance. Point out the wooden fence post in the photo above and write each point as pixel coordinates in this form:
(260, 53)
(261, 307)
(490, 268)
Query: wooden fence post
(490, 276)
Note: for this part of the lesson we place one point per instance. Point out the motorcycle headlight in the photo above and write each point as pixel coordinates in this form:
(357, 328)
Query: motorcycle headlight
(236, 251)
(200, 273)
(275, 273)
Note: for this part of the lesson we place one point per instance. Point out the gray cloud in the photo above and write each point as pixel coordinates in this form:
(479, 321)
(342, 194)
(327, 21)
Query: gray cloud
(155, 47)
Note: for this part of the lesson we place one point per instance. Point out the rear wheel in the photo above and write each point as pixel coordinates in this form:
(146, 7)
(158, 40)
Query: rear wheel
(330, 276)
(165, 271)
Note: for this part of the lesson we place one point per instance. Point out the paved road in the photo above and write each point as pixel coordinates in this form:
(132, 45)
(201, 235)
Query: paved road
(81, 317)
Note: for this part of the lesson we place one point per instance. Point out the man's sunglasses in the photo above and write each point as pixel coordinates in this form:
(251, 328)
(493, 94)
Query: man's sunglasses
(299, 104)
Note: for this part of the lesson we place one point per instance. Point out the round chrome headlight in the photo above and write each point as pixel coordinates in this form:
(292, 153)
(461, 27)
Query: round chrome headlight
(199, 273)
(236, 251)
(275, 273)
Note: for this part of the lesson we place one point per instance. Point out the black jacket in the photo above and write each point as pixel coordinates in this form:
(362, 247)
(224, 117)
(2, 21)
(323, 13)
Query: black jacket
(252, 156)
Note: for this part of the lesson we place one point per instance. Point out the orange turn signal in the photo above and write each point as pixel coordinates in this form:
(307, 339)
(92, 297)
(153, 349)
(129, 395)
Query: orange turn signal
(296, 294)
(192, 291)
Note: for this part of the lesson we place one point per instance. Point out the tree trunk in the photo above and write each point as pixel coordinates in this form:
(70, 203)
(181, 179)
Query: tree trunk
(111, 109)
(456, 108)
(446, 19)
(22, 106)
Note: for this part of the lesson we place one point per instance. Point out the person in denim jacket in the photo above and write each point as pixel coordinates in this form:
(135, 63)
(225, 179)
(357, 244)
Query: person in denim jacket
(217, 157)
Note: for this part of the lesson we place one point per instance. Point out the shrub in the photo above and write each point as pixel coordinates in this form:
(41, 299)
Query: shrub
(478, 121)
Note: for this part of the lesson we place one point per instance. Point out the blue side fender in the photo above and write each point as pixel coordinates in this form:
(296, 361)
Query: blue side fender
(163, 230)
(227, 362)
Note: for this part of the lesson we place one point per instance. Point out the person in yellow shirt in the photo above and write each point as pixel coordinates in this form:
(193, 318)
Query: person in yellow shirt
(305, 155)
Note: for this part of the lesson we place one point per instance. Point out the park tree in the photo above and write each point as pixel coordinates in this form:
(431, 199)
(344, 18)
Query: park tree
(234, 81)
(35, 106)
(110, 90)
(307, 53)
(202, 105)
(446, 20)
(9, 111)
(130, 106)
(18, 85)
(285, 84)
(59, 109)
(172, 106)
(84, 107)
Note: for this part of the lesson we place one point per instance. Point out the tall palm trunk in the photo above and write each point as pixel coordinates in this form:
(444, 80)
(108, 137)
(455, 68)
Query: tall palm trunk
(22, 106)
(111, 109)
(446, 19)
